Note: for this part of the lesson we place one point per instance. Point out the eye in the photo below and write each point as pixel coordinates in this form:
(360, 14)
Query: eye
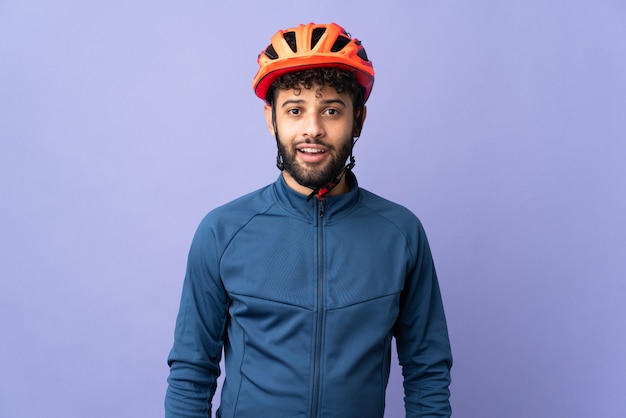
(293, 111)
(331, 112)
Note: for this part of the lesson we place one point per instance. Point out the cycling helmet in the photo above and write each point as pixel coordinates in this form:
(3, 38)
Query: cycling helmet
(312, 46)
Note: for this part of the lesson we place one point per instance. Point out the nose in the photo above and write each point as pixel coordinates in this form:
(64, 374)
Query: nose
(313, 126)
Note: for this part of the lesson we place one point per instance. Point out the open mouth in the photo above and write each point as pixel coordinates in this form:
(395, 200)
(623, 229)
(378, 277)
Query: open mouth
(307, 150)
(311, 153)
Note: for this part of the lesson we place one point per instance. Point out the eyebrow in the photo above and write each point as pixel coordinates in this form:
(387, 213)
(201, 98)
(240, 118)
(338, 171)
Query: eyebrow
(324, 102)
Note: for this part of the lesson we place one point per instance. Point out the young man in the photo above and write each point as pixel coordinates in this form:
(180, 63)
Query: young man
(304, 283)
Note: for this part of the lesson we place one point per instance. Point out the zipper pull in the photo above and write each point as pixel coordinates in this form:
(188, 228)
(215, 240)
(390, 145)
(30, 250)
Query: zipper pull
(322, 207)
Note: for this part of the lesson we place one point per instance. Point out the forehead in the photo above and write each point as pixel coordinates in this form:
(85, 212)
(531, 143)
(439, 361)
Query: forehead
(313, 93)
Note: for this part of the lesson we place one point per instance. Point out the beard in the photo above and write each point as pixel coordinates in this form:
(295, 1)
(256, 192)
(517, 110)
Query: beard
(316, 176)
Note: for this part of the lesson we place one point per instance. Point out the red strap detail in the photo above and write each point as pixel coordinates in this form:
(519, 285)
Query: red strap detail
(325, 190)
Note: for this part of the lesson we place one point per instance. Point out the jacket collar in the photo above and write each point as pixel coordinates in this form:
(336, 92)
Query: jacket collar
(334, 206)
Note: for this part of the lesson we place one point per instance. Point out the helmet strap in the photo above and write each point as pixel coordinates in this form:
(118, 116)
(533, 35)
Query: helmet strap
(279, 157)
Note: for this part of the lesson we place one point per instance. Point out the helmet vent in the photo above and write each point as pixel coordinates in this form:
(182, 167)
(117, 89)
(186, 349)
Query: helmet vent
(316, 35)
(270, 52)
(290, 37)
(361, 53)
(340, 43)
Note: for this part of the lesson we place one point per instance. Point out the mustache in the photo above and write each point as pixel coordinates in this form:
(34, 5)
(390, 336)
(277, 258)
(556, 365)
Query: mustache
(310, 141)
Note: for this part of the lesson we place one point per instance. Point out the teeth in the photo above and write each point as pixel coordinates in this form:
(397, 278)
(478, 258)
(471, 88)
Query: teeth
(311, 150)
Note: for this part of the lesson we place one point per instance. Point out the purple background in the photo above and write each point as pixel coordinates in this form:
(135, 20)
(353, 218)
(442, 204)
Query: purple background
(500, 123)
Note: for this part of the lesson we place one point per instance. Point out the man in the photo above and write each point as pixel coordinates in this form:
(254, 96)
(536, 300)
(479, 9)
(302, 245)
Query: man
(303, 283)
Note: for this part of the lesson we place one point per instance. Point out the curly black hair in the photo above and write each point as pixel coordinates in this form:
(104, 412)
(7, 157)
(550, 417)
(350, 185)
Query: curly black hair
(340, 80)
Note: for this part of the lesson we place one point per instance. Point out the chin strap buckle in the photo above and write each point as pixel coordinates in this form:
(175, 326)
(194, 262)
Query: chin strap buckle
(321, 192)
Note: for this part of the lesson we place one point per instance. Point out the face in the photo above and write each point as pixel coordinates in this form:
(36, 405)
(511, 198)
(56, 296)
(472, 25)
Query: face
(315, 128)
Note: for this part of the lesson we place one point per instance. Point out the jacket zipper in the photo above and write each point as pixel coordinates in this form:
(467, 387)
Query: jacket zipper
(319, 320)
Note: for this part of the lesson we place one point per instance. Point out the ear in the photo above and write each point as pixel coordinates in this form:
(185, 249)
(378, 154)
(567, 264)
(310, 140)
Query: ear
(357, 131)
(268, 119)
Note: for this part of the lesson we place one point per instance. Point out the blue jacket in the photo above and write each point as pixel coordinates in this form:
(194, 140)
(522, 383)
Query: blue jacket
(304, 298)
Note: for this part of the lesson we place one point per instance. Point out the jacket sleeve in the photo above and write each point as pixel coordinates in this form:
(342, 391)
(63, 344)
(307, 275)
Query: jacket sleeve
(422, 339)
(198, 337)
